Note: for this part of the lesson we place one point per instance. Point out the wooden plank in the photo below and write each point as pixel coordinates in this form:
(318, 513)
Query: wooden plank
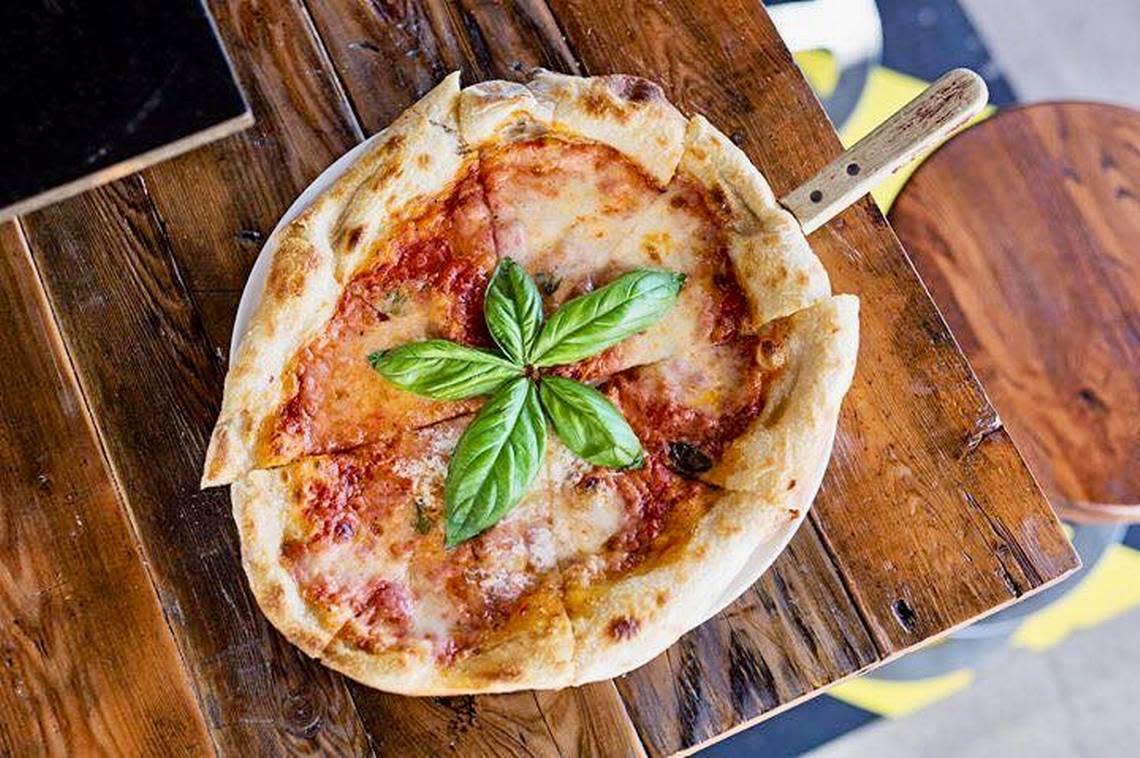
(388, 57)
(696, 690)
(928, 511)
(793, 632)
(88, 662)
(120, 264)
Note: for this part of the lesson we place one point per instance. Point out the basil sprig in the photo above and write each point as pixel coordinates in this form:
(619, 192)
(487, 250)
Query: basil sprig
(495, 461)
(500, 453)
(513, 309)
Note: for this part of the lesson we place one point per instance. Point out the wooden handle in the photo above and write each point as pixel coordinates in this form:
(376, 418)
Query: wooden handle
(920, 124)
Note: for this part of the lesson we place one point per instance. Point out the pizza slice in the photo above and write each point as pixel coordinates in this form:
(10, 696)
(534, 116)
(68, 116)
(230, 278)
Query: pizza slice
(398, 249)
(345, 554)
(736, 437)
(579, 205)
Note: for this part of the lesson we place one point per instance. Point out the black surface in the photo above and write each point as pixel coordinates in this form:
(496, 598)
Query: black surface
(795, 731)
(927, 38)
(87, 84)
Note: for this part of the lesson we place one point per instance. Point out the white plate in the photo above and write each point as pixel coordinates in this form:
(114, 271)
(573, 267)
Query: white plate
(756, 565)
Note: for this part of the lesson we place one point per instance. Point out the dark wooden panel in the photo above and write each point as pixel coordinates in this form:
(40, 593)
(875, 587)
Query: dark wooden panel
(88, 663)
(1025, 229)
(793, 632)
(153, 384)
(389, 54)
(120, 265)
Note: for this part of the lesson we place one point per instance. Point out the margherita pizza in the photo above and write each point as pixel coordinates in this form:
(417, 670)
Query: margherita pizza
(527, 386)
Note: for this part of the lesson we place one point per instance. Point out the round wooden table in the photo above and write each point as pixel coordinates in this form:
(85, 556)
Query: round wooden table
(1026, 229)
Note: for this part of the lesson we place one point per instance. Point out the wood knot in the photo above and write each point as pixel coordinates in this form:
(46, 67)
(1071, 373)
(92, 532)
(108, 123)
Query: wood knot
(905, 615)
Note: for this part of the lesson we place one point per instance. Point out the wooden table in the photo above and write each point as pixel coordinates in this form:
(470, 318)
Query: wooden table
(125, 620)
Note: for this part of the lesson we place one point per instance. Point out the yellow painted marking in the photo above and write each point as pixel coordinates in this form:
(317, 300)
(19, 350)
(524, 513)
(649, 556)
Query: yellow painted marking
(1111, 588)
(899, 698)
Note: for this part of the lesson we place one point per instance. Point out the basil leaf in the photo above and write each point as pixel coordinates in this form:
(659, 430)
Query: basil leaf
(589, 424)
(589, 324)
(443, 370)
(495, 462)
(513, 310)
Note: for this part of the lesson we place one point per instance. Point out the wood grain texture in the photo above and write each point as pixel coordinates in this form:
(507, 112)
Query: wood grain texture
(1025, 228)
(390, 54)
(122, 266)
(87, 664)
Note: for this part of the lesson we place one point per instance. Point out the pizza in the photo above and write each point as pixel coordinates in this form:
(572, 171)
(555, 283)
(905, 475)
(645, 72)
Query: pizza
(583, 559)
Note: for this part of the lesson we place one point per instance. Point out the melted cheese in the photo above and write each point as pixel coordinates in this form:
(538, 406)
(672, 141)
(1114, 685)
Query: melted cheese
(425, 281)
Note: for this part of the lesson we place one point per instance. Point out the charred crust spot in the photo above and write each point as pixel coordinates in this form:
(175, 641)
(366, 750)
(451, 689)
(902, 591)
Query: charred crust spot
(588, 484)
(502, 673)
(290, 270)
(635, 89)
(352, 237)
(624, 628)
(719, 198)
(661, 598)
(792, 484)
(391, 170)
(620, 97)
(273, 599)
(678, 201)
(687, 459)
(393, 144)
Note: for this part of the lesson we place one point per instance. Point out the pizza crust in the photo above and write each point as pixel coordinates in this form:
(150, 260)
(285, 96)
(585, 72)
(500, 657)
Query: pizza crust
(623, 623)
(259, 500)
(783, 446)
(770, 254)
(628, 113)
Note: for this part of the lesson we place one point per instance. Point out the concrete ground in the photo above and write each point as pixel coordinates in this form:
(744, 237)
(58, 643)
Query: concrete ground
(1064, 49)
(1081, 697)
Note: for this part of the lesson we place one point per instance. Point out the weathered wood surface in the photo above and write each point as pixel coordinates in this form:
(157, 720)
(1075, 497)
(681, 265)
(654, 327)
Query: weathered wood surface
(124, 269)
(926, 519)
(1025, 228)
(87, 664)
